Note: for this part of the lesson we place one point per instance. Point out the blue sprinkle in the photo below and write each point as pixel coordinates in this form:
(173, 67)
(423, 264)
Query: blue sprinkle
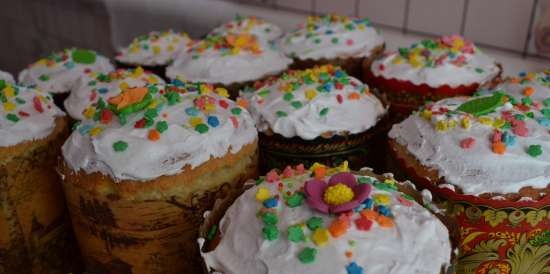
(271, 202)
(328, 32)
(545, 122)
(383, 210)
(102, 90)
(178, 83)
(508, 139)
(339, 74)
(84, 129)
(368, 203)
(192, 111)
(522, 74)
(354, 268)
(69, 65)
(213, 121)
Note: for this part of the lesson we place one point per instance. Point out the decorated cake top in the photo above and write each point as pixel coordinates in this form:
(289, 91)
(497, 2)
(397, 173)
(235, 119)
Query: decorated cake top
(328, 221)
(449, 60)
(25, 114)
(155, 48)
(58, 72)
(7, 77)
(331, 36)
(313, 102)
(249, 24)
(94, 86)
(146, 132)
(488, 144)
(535, 85)
(227, 59)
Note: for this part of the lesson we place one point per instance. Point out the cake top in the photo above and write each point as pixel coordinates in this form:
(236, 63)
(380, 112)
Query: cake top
(249, 24)
(92, 87)
(58, 72)
(147, 132)
(532, 85)
(26, 114)
(331, 36)
(449, 60)
(155, 48)
(226, 59)
(487, 144)
(328, 221)
(322, 101)
(7, 77)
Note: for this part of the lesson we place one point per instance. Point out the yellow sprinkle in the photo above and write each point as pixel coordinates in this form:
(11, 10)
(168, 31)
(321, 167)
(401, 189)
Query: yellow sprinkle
(361, 27)
(498, 123)
(413, 60)
(320, 236)
(451, 124)
(427, 114)
(390, 181)
(89, 112)
(465, 123)
(134, 49)
(262, 194)
(441, 126)
(397, 60)
(170, 48)
(310, 94)
(42, 61)
(315, 166)
(95, 131)
(488, 121)
(137, 72)
(382, 199)
(194, 121)
(156, 49)
(235, 51)
(9, 106)
(204, 89)
(152, 79)
(209, 108)
(123, 86)
(9, 91)
(154, 103)
(222, 92)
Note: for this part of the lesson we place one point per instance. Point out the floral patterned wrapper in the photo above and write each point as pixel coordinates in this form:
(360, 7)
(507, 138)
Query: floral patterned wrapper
(496, 236)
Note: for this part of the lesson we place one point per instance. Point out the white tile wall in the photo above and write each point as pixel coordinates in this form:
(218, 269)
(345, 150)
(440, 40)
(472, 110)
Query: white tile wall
(344, 7)
(436, 16)
(300, 5)
(501, 23)
(386, 12)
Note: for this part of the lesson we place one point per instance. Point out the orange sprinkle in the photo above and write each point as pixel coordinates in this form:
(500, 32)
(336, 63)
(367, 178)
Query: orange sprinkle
(349, 254)
(528, 91)
(499, 147)
(354, 96)
(369, 214)
(153, 135)
(242, 102)
(514, 80)
(165, 115)
(338, 228)
(128, 97)
(384, 221)
(320, 172)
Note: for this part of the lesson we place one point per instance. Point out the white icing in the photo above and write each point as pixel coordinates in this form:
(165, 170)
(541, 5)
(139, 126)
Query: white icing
(7, 77)
(515, 86)
(478, 68)
(179, 146)
(260, 28)
(155, 48)
(476, 170)
(314, 40)
(220, 66)
(418, 243)
(61, 71)
(90, 88)
(306, 122)
(36, 125)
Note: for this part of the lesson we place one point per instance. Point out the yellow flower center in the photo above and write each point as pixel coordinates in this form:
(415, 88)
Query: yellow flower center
(338, 194)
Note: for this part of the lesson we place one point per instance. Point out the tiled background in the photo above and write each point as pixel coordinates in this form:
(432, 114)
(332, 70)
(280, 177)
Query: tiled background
(33, 28)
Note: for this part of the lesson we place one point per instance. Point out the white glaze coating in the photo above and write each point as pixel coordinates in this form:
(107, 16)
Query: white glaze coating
(226, 65)
(179, 144)
(24, 118)
(304, 117)
(155, 48)
(58, 72)
(454, 62)
(418, 243)
(331, 37)
(256, 26)
(93, 86)
(478, 169)
(539, 82)
(6, 76)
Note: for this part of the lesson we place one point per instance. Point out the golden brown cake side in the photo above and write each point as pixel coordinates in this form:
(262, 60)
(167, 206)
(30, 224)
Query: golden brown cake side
(145, 227)
(35, 231)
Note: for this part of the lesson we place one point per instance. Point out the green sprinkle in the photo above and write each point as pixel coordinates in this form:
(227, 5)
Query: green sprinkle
(269, 218)
(295, 200)
(288, 96)
(530, 115)
(384, 186)
(270, 232)
(479, 70)
(83, 56)
(151, 113)
(264, 92)
(314, 222)
(527, 101)
(2, 84)
(534, 150)
(12, 117)
(201, 128)
(520, 117)
(281, 113)
(260, 180)
(334, 40)
(172, 97)
(295, 234)
(236, 111)
(153, 89)
(44, 77)
(120, 146)
(546, 102)
(546, 112)
(307, 255)
(323, 112)
(162, 126)
(20, 101)
(296, 104)
(364, 180)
